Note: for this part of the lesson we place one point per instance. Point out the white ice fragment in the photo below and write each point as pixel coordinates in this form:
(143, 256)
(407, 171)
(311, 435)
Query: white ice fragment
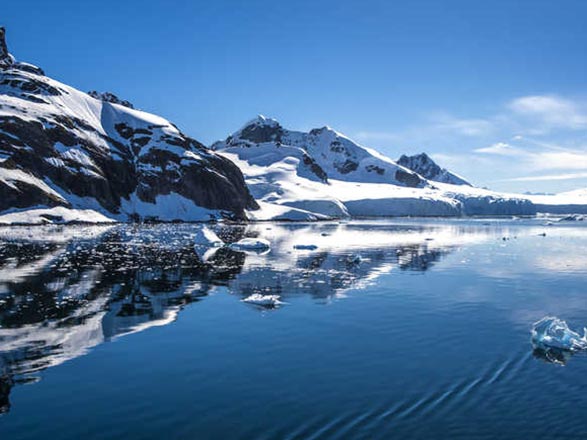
(207, 237)
(263, 300)
(355, 259)
(552, 332)
(251, 244)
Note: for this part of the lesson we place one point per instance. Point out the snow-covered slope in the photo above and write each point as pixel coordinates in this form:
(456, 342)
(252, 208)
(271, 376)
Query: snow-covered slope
(323, 154)
(305, 176)
(60, 147)
(427, 168)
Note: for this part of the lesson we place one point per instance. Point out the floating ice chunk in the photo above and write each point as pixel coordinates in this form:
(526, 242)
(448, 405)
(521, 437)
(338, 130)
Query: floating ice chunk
(207, 237)
(263, 300)
(251, 244)
(355, 259)
(307, 247)
(552, 332)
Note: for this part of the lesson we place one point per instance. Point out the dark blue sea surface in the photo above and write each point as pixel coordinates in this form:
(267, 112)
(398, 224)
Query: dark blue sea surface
(387, 329)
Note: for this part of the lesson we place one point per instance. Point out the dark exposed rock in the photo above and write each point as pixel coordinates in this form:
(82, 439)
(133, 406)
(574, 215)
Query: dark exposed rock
(28, 84)
(315, 168)
(408, 179)
(23, 195)
(336, 147)
(347, 167)
(259, 133)
(427, 168)
(5, 58)
(110, 97)
(376, 169)
(30, 68)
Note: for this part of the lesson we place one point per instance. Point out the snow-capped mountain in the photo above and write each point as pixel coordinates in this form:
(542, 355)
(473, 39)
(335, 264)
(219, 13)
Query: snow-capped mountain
(323, 153)
(324, 174)
(68, 155)
(427, 168)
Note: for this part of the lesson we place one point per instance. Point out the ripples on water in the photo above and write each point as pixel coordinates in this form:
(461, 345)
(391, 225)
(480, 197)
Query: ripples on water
(404, 328)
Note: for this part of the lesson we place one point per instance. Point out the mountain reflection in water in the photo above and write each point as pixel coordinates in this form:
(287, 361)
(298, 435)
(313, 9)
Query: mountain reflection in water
(64, 290)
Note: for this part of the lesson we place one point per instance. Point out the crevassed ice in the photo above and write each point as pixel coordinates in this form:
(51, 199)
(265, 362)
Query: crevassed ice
(553, 332)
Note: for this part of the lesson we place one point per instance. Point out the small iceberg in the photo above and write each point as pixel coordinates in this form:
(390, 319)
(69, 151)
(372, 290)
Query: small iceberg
(552, 332)
(263, 300)
(207, 237)
(306, 247)
(251, 244)
(355, 259)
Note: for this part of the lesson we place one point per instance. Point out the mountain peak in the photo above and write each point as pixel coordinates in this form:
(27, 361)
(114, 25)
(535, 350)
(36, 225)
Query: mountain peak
(422, 156)
(261, 129)
(262, 120)
(5, 58)
(425, 166)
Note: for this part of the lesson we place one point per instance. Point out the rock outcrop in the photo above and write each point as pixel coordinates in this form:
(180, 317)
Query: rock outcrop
(427, 168)
(110, 97)
(5, 58)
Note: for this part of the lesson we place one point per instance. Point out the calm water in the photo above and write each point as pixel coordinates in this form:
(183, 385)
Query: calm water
(390, 329)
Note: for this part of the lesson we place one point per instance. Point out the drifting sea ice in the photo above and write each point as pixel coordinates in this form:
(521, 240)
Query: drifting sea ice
(251, 244)
(263, 300)
(552, 332)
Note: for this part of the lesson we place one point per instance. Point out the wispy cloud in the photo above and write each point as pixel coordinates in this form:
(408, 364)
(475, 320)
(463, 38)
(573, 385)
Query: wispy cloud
(463, 126)
(562, 160)
(549, 177)
(551, 111)
(501, 149)
(531, 138)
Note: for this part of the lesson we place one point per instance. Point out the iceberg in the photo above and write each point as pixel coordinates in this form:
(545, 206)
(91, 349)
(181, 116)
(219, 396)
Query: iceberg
(263, 300)
(251, 244)
(552, 332)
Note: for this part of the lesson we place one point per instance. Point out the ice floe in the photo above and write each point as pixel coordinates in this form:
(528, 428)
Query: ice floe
(251, 244)
(552, 332)
(263, 300)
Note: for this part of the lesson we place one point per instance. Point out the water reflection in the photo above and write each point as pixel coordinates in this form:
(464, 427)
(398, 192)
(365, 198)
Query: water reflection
(64, 290)
(552, 355)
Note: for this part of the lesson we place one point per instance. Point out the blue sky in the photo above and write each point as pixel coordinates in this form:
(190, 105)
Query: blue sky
(496, 90)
